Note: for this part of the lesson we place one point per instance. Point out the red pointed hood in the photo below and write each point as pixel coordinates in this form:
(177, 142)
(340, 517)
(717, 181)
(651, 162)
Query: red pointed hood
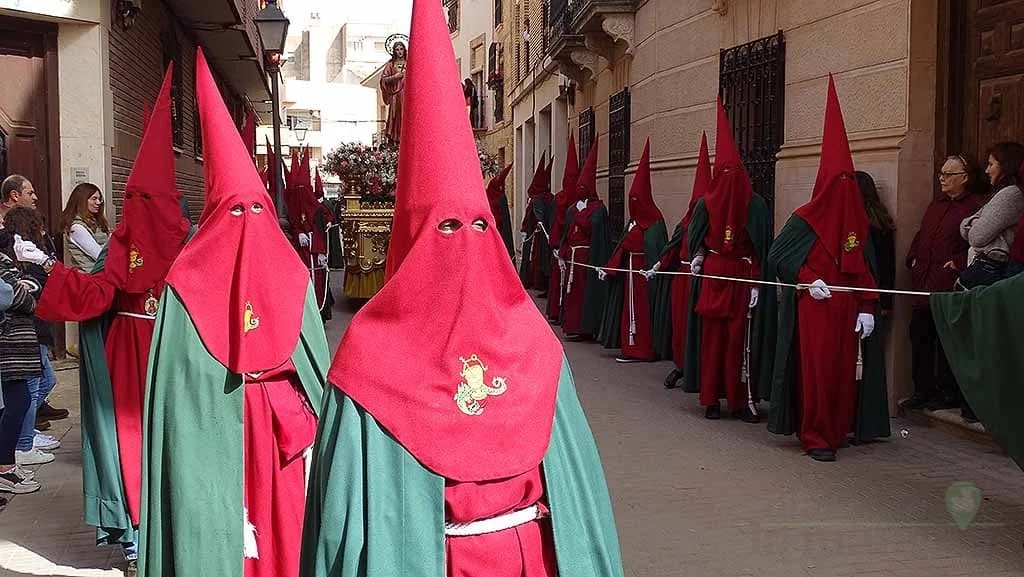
(836, 210)
(563, 199)
(701, 179)
(496, 186)
(152, 228)
(642, 208)
(586, 185)
(541, 184)
(451, 355)
(249, 134)
(318, 185)
(239, 278)
(728, 201)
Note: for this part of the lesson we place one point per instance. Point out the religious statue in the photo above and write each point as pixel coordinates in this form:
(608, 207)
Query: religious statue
(392, 86)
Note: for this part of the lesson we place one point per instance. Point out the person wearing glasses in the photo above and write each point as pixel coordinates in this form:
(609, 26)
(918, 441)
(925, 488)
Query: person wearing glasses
(937, 256)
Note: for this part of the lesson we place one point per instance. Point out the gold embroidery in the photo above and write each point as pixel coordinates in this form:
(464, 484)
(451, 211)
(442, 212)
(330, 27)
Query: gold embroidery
(134, 259)
(251, 321)
(472, 392)
(728, 234)
(851, 242)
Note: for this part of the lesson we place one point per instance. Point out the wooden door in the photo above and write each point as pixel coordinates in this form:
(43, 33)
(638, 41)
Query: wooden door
(29, 132)
(993, 74)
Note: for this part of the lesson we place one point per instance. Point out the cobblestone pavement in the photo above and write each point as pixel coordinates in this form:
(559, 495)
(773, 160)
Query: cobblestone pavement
(692, 498)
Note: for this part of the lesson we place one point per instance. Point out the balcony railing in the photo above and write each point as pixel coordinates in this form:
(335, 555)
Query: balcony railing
(587, 25)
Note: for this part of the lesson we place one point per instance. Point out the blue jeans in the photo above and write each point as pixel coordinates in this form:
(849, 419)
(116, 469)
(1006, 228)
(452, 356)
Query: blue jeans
(131, 550)
(38, 389)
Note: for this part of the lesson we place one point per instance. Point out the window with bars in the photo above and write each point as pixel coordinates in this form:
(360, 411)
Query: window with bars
(588, 129)
(618, 159)
(452, 7)
(172, 53)
(499, 17)
(752, 85)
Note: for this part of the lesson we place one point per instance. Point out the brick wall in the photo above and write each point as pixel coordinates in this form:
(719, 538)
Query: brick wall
(136, 71)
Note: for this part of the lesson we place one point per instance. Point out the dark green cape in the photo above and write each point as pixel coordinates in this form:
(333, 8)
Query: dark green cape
(763, 323)
(505, 227)
(596, 294)
(102, 482)
(784, 261)
(981, 335)
(192, 474)
(610, 336)
(374, 511)
(544, 212)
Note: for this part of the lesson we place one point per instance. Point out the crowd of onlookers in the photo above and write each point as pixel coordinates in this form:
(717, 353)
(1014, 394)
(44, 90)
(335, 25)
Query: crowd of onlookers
(27, 254)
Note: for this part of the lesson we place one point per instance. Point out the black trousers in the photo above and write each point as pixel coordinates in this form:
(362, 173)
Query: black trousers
(16, 403)
(931, 372)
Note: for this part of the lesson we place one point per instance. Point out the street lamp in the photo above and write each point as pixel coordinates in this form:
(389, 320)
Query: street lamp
(272, 26)
(300, 133)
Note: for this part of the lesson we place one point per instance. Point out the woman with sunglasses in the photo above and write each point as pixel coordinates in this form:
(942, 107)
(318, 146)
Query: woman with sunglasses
(937, 256)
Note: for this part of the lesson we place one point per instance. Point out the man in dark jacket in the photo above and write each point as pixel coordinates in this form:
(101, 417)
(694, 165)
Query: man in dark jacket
(937, 255)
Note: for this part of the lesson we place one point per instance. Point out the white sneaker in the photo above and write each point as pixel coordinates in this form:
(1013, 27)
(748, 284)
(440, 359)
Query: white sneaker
(33, 457)
(12, 482)
(45, 442)
(25, 473)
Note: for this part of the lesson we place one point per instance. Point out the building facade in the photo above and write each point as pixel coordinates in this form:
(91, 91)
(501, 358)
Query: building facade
(326, 98)
(481, 31)
(918, 80)
(80, 73)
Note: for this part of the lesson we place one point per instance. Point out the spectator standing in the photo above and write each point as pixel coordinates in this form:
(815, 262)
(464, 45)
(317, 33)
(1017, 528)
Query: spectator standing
(937, 256)
(85, 226)
(991, 230)
(16, 190)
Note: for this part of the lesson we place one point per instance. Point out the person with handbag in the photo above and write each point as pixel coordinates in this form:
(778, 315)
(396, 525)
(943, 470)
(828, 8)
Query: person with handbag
(991, 231)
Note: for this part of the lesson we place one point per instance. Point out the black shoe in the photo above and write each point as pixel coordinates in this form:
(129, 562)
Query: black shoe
(845, 443)
(713, 412)
(942, 403)
(42, 425)
(747, 416)
(48, 413)
(543, 295)
(968, 415)
(915, 402)
(576, 338)
(672, 380)
(822, 455)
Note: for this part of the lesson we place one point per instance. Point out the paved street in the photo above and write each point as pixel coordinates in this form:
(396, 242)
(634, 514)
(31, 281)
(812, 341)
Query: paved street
(692, 498)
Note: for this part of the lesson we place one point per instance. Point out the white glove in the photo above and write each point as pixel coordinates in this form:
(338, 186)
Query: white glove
(303, 239)
(321, 260)
(602, 274)
(649, 274)
(27, 251)
(753, 297)
(632, 224)
(580, 205)
(819, 290)
(865, 325)
(561, 264)
(696, 264)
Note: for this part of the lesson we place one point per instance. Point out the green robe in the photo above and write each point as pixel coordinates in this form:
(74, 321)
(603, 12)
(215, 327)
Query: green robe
(788, 254)
(596, 293)
(610, 336)
(763, 323)
(544, 213)
(981, 335)
(192, 518)
(374, 511)
(105, 506)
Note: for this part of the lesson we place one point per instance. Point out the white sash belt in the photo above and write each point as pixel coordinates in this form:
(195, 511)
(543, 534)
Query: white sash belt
(493, 524)
(572, 267)
(138, 316)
